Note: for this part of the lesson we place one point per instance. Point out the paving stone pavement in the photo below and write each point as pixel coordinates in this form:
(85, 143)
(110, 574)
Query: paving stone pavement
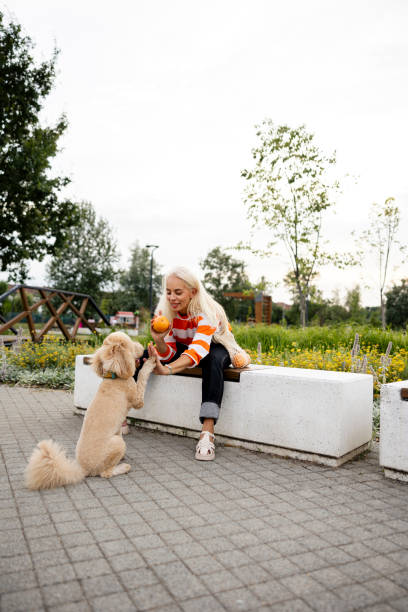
(246, 532)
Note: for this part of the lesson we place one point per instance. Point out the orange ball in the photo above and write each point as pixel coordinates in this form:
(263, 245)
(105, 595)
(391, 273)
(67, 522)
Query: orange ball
(240, 360)
(160, 324)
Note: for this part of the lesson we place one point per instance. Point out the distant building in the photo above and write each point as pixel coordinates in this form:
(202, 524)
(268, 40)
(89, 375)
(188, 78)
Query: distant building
(283, 305)
(123, 317)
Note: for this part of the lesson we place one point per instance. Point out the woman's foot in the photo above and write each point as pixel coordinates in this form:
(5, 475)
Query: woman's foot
(125, 428)
(205, 449)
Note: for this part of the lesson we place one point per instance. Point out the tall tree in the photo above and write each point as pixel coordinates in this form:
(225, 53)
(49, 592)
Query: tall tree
(397, 304)
(288, 191)
(381, 237)
(135, 281)
(353, 304)
(222, 272)
(33, 220)
(88, 262)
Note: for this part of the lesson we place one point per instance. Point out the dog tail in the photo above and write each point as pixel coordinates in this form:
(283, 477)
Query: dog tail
(49, 467)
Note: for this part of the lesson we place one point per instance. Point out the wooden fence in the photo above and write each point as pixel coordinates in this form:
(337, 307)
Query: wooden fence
(57, 302)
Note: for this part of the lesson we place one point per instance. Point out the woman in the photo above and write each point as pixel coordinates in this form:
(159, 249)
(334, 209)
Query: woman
(199, 334)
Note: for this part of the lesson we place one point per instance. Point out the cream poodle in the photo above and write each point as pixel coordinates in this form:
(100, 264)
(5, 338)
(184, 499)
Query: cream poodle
(100, 446)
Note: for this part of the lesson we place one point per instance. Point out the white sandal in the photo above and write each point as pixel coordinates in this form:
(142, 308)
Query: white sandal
(124, 428)
(205, 449)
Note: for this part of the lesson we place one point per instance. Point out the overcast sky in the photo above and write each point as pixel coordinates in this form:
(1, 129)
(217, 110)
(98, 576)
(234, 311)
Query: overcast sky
(162, 98)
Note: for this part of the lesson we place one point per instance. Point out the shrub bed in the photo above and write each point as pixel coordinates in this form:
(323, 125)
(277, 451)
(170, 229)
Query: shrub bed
(279, 338)
(50, 363)
(341, 359)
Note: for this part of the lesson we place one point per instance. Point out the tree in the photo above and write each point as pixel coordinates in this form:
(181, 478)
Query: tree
(397, 304)
(353, 305)
(88, 262)
(33, 221)
(381, 238)
(288, 191)
(135, 281)
(222, 272)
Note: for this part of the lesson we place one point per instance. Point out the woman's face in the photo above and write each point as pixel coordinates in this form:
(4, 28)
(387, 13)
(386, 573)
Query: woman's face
(178, 294)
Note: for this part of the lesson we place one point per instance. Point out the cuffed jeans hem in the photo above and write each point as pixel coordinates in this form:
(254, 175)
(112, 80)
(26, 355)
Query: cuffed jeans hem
(209, 410)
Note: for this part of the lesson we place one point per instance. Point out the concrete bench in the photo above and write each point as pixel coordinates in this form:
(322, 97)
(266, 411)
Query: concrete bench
(394, 430)
(313, 415)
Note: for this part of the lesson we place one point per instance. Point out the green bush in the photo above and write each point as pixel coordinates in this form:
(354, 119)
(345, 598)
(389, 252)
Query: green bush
(50, 363)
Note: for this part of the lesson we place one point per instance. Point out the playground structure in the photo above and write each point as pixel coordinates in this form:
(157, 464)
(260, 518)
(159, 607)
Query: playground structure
(50, 298)
(263, 304)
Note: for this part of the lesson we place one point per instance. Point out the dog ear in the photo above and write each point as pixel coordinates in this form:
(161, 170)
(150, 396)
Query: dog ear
(97, 362)
(123, 361)
(118, 357)
(138, 349)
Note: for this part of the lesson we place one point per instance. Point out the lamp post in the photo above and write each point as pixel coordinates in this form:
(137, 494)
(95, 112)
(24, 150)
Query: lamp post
(153, 247)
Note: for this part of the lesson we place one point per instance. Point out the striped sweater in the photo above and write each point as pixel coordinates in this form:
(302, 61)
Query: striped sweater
(194, 332)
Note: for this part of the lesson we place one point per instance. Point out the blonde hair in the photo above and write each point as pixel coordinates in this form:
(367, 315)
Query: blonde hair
(201, 302)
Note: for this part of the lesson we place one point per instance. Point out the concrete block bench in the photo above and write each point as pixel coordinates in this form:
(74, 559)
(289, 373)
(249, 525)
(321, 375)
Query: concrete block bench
(394, 430)
(313, 415)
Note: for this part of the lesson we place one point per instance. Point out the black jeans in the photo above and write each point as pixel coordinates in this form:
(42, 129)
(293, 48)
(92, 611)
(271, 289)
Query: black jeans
(212, 366)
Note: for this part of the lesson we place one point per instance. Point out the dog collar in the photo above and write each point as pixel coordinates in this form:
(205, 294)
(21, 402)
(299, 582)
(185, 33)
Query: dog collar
(109, 375)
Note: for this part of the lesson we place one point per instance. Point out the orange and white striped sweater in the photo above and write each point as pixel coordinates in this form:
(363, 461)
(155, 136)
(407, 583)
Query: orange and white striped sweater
(195, 332)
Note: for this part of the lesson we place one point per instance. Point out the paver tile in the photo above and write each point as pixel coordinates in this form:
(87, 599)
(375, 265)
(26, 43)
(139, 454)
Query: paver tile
(386, 588)
(17, 581)
(92, 568)
(101, 585)
(239, 599)
(219, 581)
(400, 604)
(84, 553)
(383, 564)
(180, 581)
(115, 601)
(154, 556)
(29, 600)
(357, 595)
(205, 564)
(55, 574)
(202, 604)
(292, 605)
(280, 567)
(135, 578)
(301, 584)
(327, 601)
(147, 597)
(247, 532)
(66, 592)
(78, 606)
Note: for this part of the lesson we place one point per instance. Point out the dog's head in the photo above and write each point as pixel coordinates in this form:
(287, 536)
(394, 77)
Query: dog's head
(117, 354)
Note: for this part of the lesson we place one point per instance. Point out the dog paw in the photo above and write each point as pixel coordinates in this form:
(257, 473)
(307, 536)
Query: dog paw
(150, 363)
(106, 474)
(122, 468)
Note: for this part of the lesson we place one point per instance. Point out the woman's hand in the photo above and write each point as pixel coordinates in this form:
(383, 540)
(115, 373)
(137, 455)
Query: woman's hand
(158, 337)
(160, 369)
(180, 364)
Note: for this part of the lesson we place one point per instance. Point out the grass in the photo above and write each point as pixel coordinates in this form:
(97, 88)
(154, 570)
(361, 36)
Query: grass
(279, 338)
(51, 363)
(370, 360)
